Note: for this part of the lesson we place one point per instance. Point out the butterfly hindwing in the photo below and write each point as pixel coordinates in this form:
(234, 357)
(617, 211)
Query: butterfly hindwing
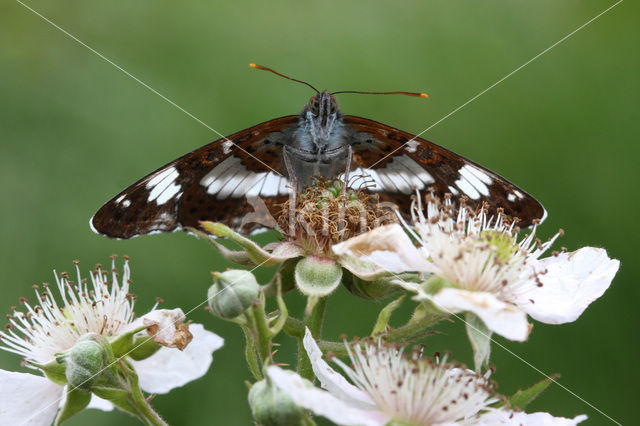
(398, 162)
(218, 182)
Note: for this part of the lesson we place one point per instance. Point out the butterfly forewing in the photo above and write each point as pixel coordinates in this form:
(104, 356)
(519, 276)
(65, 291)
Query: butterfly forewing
(241, 180)
(219, 182)
(399, 162)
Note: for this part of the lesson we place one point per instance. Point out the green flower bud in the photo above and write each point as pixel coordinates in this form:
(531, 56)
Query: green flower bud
(272, 407)
(85, 361)
(372, 290)
(317, 276)
(232, 293)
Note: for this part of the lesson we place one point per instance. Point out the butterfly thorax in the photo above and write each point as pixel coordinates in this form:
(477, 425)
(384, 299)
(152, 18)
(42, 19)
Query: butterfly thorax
(319, 145)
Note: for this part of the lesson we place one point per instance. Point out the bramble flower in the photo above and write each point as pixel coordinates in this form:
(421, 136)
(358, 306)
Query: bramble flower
(311, 223)
(48, 334)
(390, 388)
(476, 263)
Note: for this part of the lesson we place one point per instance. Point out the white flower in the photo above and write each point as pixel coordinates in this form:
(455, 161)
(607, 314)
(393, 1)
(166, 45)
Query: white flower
(486, 270)
(104, 307)
(389, 388)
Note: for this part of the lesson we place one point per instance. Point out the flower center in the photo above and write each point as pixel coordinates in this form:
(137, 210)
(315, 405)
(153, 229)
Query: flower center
(327, 213)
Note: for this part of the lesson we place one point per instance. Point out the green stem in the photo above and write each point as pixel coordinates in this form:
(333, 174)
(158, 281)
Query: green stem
(138, 401)
(412, 329)
(146, 413)
(263, 332)
(313, 321)
(294, 327)
(250, 354)
(402, 334)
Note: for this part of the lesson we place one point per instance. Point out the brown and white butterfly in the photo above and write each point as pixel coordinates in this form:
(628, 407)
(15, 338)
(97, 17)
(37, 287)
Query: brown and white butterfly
(220, 181)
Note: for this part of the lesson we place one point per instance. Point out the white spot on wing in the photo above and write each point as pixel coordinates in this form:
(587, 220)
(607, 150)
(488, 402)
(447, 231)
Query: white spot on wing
(423, 177)
(126, 203)
(411, 146)
(271, 185)
(232, 184)
(154, 181)
(467, 188)
(511, 197)
(518, 194)
(483, 176)
(453, 190)
(120, 198)
(220, 174)
(162, 190)
(226, 147)
(470, 177)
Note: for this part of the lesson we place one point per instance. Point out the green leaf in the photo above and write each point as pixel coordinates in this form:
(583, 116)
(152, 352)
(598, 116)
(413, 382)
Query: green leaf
(522, 398)
(480, 338)
(77, 401)
(385, 315)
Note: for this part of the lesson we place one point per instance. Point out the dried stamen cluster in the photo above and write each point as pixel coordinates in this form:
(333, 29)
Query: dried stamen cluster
(328, 213)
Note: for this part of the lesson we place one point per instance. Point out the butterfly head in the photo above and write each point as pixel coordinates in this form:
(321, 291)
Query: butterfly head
(321, 113)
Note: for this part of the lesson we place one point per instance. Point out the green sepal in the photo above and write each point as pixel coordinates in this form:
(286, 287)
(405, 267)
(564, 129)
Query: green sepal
(434, 284)
(238, 257)
(54, 370)
(286, 271)
(376, 289)
(317, 276)
(124, 343)
(143, 348)
(385, 315)
(256, 254)
(77, 400)
(522, 398)
(480, 339)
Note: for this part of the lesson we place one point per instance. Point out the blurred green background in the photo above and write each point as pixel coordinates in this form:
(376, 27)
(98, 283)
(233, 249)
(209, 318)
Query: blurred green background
(75, 131)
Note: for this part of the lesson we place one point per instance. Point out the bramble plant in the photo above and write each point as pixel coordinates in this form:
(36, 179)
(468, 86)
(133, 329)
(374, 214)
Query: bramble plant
(447, 259)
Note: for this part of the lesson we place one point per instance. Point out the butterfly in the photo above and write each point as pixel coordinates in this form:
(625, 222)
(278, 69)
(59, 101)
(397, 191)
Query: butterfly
(241, 179)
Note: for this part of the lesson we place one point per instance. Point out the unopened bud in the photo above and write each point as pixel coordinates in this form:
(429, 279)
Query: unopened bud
(232, 293)
(317, 276)
(85, 361)
(271, 406)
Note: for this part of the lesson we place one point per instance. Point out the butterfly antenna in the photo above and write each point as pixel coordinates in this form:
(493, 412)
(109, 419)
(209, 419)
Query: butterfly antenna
(416, 94)
(260, 67)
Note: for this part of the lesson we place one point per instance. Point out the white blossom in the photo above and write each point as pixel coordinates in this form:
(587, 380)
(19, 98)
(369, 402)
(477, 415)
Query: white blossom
(104, 307)
(387, 387)
(486, 268)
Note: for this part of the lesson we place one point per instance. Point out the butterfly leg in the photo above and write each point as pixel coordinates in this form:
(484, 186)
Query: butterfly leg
(294, 190)
(346, 172)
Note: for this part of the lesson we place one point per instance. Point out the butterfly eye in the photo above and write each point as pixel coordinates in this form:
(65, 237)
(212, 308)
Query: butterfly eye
(333, 106)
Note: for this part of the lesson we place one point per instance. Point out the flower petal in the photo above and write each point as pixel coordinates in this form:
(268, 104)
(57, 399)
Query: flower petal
(503, 417)
(100, 404)
(28, 399)
(333, 381)
(503, 318)
(322, 402)
(170, 368)
(388, 247)
(571, 282)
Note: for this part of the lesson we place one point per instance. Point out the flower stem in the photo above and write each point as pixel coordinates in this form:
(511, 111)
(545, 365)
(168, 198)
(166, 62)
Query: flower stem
(407, 332)
(314, 322)
(250, 354)
(263, 343)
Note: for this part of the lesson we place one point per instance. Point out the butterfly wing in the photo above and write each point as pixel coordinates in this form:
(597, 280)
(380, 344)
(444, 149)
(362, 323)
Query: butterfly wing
(398, 162)
(220, 182)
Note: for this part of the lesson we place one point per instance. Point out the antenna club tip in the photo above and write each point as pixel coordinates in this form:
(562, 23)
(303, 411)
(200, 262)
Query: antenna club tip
(252, 65)
(424, 95)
